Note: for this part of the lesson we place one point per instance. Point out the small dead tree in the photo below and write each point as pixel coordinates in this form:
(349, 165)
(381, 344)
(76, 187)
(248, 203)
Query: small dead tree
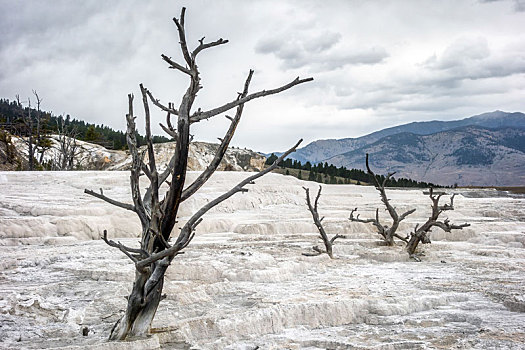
(328, 243)
(421, 233)
(158, 214)
(43, 143)
(31, 134)
(67, 149)
(386, 232)
(26, 133)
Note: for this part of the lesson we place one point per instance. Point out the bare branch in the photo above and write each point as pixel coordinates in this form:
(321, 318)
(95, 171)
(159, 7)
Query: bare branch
(448, 227)
(357, 219)
(175, 65)
(204, 46)
(186, 234)
(316, 253)
(198, 116)
(154, 178)
(157, 103)
(168, 131)
(317, 198)
(214, 164)
(182, 37)
(109, 200)
(404, 239)
(336, 237)
(448, 206)
(120, 246)
(137, 163)
(404, 215)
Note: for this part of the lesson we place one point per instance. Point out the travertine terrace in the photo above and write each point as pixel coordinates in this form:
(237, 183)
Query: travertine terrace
(243, 283)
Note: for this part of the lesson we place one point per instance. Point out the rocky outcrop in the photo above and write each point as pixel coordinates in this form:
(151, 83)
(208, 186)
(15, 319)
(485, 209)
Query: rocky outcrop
(96, 157)
(201, 154)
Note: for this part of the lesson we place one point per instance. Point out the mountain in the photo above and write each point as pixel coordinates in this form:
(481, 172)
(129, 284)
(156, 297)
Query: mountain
(469, 155)
(322, 150)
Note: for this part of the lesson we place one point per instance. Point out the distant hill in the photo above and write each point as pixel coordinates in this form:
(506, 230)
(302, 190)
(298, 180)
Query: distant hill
(486, 149)
(469, 155)
(322, 150)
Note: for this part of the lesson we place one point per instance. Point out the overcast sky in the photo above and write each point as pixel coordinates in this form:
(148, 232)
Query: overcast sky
(375, 63)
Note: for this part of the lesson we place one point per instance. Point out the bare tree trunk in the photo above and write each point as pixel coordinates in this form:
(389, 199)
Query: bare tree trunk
(386, 232)
(328, 243)
(27, 131)
(68, 150)
(38, 118)
(421, 233)
(142, 306)
(158, 216)
(28, 121)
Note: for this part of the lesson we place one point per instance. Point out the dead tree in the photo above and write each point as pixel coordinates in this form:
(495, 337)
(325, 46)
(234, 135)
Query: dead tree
(67, 149)
(158, 215)
(421, 233)
(42, 141)
(26, 133)
(386, 232)
(32, 134)
(328, 243)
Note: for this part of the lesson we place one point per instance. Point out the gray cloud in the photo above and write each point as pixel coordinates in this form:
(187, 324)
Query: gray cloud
(370, 60)
(462, 52)
(519, 5)
(472, 59)
(318, 51)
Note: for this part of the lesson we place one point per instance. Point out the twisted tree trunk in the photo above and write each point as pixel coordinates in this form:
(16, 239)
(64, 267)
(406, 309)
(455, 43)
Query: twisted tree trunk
(387, 233)
(421, 233)
(328, 243)
(158, 216)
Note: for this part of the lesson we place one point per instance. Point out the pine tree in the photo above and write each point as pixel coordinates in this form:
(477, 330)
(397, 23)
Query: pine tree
(271, 159)
(91, 134)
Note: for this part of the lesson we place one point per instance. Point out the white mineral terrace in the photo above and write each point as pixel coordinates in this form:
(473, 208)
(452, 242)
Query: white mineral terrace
(243, 282)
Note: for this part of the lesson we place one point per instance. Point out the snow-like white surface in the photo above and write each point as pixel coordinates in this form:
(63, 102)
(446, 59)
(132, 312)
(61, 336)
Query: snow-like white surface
(243, 282)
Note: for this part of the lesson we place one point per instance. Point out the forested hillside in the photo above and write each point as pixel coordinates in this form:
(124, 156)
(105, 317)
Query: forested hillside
(12, 113)
(330, 174)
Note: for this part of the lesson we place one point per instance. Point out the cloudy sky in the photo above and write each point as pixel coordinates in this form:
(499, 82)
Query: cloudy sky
(375, 63)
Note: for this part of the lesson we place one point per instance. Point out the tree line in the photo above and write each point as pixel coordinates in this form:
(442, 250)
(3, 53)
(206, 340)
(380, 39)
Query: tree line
(330, 174)
(12, 114)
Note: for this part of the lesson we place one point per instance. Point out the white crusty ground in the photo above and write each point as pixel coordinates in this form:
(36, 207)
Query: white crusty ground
(243, 283)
